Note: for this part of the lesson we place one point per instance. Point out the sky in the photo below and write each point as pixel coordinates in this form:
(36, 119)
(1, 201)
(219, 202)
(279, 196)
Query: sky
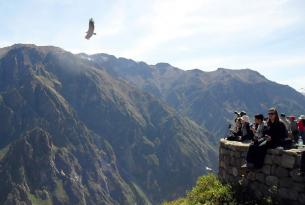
(263, 35)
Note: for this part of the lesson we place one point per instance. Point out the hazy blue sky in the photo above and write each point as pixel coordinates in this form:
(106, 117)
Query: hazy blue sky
(264, 35)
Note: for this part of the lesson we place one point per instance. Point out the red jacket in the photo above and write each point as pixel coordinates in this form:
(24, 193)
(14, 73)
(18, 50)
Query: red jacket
(301, 125)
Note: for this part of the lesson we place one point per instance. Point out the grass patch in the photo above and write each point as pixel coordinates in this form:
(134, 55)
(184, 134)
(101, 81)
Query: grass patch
(60, 192)
(37, 201)
(177, 202)
(208, 191)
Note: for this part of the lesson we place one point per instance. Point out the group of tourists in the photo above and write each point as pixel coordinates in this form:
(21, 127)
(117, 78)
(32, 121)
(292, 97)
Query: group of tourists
(276, 130)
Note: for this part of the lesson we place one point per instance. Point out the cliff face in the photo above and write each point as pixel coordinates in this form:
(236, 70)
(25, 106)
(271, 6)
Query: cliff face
(208, 98)
(72, 133)
(279, 175)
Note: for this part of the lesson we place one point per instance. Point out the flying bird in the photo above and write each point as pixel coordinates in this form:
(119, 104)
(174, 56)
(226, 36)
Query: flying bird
(90, 31)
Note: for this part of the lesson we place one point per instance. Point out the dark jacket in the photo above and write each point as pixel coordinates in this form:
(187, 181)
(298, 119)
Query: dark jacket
(278, 133)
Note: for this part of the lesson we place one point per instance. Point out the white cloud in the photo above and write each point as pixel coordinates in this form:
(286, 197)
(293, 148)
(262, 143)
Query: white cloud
(212, 22)
(189, 34)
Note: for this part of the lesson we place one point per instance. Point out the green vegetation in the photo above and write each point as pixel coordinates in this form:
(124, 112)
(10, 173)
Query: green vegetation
(177, 202)
(208, 191)
(60, 192)
(37, 201)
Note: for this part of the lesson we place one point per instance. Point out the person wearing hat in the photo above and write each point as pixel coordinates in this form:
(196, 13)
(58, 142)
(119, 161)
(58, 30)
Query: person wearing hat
(276, 132)
(274, 137)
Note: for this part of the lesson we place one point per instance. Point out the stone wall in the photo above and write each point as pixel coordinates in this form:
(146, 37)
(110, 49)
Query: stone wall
(280, 172)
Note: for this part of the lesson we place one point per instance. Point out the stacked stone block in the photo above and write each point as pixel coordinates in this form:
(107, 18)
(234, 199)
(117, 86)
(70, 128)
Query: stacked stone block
(280, 173)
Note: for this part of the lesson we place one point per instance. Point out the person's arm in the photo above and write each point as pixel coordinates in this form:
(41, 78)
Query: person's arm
(250, 133)
(283, 134)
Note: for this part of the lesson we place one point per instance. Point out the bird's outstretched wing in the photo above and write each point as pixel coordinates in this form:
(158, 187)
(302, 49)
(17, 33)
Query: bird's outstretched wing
(90, 31)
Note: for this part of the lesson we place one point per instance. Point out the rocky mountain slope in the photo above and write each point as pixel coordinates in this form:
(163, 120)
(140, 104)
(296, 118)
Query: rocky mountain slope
(208, 98)
(73, 133)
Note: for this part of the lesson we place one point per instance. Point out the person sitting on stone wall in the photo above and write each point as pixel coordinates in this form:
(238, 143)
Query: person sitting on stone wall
(274, 137)
(235, 131)
(259, 127)
(243, 131)
(246, 133)
(276, 132)
(257, 149)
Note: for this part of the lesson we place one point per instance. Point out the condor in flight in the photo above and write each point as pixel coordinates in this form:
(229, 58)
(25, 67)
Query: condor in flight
(90, 31)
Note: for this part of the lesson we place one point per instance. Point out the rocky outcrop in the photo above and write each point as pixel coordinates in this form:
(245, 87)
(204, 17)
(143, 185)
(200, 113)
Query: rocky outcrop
(280, 174)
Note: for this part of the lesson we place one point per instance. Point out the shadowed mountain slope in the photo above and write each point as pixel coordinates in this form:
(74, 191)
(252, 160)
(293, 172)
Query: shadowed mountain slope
(75, 134)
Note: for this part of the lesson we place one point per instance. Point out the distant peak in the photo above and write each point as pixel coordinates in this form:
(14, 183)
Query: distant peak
(33, 46)
(20, 45)
(197, 70)
(222, 69)
(163, 65)
(167, 66)
(103, 55)
(238, 71)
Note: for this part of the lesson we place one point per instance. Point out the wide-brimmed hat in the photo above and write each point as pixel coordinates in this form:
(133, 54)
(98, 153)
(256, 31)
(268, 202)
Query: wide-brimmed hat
(302, 117)
(292, 117)
(272, 110)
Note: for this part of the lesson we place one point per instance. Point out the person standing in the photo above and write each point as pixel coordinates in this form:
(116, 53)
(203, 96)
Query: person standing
(301, 127)
(285, 120)
(293, 129)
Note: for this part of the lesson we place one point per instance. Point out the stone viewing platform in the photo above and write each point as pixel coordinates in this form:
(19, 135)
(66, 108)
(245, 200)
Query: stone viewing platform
(280, 172)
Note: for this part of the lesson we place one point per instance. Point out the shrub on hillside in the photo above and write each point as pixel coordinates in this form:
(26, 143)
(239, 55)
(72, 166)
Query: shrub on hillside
(208, 191)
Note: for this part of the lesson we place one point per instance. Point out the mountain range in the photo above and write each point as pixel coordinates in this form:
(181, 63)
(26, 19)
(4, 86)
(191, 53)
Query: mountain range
(71, 133)
(208, 98)
(96, 129)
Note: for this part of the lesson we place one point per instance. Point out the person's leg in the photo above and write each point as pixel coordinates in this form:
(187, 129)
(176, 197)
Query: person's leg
(250, 153)
(261, 152)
